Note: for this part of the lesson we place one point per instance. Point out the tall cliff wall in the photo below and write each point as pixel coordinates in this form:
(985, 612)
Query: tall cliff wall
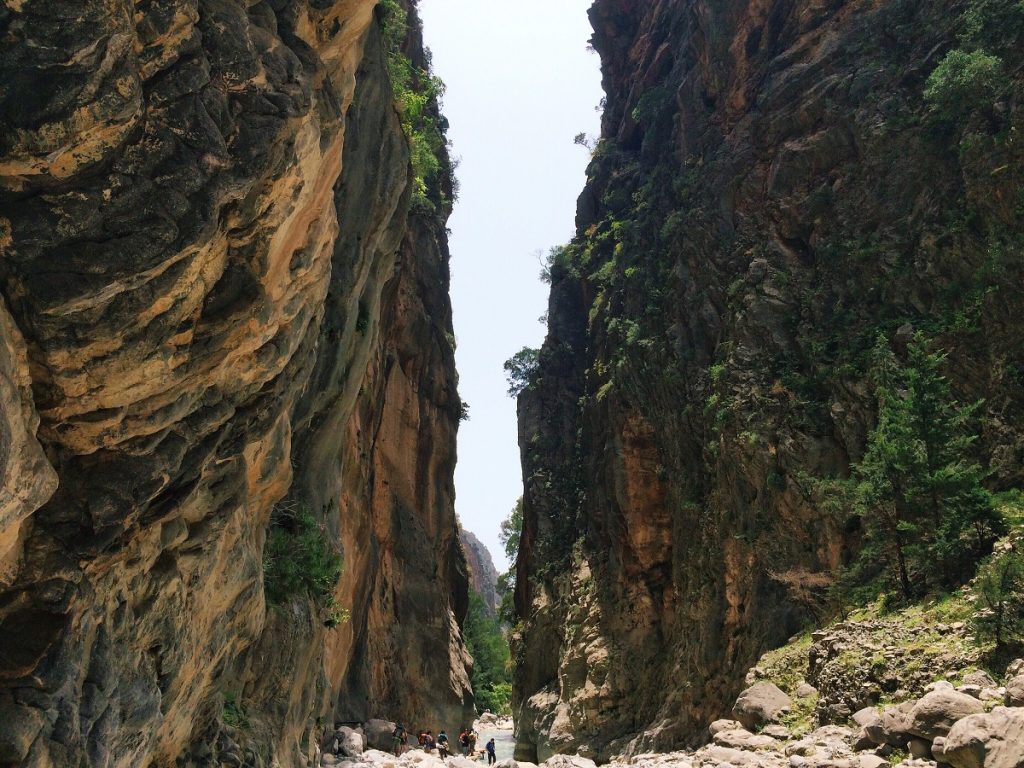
(483, 577)
(772, 190)
(217, 307)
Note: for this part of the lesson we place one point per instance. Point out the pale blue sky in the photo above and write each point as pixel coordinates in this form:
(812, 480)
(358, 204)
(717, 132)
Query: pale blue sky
(521, 84)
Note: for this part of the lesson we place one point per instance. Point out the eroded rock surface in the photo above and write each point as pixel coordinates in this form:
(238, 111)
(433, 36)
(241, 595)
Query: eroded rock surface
(216, 301)
(772, 191)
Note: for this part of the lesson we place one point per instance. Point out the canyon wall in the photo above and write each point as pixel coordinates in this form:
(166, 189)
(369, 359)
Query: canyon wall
(483, 577)
(224, 308)
(778, 184)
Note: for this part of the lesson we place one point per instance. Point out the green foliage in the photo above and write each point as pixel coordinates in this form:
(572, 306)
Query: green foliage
(234, 713)
(992, 24)
(417, 93)
(492, 686)
(300, 559)
(521, 370)
(927, 517)
(509, 535)
(1000, 590)
(964, 82)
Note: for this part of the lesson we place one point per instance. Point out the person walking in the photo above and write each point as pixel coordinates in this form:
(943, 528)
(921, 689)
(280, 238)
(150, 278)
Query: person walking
(442, 744)
(428, 742)
(472, 742)
(400, 738)
(491, 757)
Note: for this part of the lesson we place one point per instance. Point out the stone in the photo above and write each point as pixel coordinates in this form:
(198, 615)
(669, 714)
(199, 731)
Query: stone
(991, 740)
(744, 739)
(377, 734)
(507, 763)
(1014, 696)
(867, 716)
(980, 678)
(919, 748)
(776, 731)
(934, 714)
(1015, 668)
(568, 761)
(805, 691)
(349, 741)
(760, 704)
(893, 726)
(939, 748)
(871, 761)
(724, 725)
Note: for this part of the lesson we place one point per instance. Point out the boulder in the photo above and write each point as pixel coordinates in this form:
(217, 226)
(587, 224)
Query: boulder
(979, 678)
(867, 716)
(992, 740)
(348, 742)
(458, 761)
(568, 761)
(776, 731)
(1014, 696)
(936, 712)
(743, 739)
(871, 761)
(892, 726)
(509, 763)
(1015, 667)
(724, 725)
(805, 691)
(920, 749)
(939, 749)
(761, 704)
(377, 734)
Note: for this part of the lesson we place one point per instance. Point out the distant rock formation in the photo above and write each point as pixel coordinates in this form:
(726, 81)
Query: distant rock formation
(483, 576)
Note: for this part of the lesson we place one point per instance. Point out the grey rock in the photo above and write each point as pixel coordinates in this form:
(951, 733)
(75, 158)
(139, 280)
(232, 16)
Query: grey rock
(992, 740)
(936, 712)
(761, 704)
(920, 748)
(1014, 696)
(979, 678)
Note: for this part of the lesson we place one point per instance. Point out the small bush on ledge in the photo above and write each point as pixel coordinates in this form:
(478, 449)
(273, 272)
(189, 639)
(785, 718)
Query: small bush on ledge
(300, 558)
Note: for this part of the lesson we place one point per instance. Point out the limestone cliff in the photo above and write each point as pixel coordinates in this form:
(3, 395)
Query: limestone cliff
(483, 577)
(777, 184)
(219, 305)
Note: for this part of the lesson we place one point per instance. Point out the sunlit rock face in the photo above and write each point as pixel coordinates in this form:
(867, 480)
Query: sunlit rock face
(483, 576)
(771, 192)
(215, 301)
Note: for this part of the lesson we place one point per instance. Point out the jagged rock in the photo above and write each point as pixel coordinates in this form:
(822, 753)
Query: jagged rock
(760, 704)
(483, 576)
(992, 740)
(936, 712)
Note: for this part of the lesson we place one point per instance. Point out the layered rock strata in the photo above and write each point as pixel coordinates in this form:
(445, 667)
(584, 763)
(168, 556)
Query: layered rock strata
(777, 185)
(216, 304)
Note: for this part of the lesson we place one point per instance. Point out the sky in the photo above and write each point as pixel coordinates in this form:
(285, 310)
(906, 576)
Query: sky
(520, 85)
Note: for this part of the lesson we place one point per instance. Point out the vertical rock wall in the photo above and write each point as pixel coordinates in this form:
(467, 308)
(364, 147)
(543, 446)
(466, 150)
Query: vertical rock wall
(215, 302)
(483, 577)
(771, 192)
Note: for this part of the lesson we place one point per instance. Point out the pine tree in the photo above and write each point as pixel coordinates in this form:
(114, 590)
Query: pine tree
(919, 491)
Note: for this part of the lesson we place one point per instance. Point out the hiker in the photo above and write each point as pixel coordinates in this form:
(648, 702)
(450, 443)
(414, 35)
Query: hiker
(472, 742)
(442, 744)
(464, 742)
(428, 742)
(421, 737)
(491, 757)
(400, 739)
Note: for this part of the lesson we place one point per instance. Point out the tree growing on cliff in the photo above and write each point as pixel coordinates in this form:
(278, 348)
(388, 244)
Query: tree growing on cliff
(511, 530)
(521, 369)
(919, 491)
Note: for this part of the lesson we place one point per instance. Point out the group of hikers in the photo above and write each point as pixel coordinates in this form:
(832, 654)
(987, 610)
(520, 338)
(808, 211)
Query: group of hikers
(426, 739)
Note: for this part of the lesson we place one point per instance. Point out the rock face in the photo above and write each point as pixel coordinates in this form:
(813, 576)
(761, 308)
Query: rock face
(772, 191)
(483, 576)
(217, 304)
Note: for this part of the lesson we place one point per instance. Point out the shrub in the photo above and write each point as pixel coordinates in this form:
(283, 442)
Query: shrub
(521, 370)
(300, 559)
(964, 82)
(1000, 589)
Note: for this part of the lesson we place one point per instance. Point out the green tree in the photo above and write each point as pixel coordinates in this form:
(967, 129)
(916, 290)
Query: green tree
(489, 648)
(964, 81)
(1000, 589)
(919, 491)
(521, 369)
(509, 535)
